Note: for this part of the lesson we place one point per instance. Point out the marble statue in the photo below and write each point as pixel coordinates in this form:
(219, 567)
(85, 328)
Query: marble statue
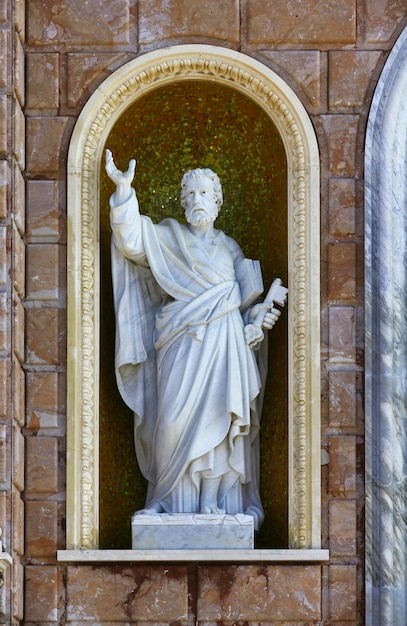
(183, 295)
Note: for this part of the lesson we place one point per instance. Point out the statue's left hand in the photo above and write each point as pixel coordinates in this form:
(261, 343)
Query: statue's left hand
(253, 331)
(270, 316)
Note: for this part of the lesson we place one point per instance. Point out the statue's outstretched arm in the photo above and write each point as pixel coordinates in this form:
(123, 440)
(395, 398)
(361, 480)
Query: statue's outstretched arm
(122, 180)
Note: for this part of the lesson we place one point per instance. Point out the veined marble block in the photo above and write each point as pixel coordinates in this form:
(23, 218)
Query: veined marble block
(192, 531)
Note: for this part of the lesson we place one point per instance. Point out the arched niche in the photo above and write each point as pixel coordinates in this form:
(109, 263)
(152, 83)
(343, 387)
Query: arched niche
(252, 81)
(386, 347)
(175, 127)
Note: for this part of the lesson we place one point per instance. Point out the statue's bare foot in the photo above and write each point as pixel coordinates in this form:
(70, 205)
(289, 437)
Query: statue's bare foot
(154, 509)
(212, 508)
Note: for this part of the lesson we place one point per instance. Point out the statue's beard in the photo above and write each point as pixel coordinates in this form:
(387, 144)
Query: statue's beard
(202, 219)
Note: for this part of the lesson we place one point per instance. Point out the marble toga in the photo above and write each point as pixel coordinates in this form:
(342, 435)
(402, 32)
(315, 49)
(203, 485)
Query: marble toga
(182, 363)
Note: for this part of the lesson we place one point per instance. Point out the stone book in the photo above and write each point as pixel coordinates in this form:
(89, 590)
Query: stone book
(248, 274)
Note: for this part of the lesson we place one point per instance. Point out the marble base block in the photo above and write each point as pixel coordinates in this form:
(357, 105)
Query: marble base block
(192, 531)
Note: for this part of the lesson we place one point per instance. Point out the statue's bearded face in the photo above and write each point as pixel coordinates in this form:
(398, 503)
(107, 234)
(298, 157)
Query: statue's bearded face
(199, 201)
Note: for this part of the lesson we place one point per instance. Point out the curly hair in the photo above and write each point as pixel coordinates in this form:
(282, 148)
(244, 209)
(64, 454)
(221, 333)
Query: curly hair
(200, 173)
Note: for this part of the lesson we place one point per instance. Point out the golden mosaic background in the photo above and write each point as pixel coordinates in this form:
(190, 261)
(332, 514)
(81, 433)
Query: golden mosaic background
(173, 129)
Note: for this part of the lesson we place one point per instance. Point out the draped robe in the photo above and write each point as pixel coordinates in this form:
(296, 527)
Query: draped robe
(182, 363)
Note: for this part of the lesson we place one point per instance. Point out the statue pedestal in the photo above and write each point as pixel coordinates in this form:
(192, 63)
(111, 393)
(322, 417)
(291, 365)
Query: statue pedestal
(192, 531)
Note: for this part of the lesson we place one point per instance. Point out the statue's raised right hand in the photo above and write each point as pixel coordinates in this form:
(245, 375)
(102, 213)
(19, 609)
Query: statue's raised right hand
(119, 178)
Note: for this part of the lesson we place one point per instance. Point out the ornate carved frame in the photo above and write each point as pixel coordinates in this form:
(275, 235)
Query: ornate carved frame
(120, 90)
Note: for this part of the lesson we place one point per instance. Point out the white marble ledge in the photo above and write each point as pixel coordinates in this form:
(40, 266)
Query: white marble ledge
(236, 556)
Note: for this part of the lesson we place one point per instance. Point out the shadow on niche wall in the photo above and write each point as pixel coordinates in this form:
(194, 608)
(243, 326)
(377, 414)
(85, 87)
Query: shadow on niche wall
(170, 130)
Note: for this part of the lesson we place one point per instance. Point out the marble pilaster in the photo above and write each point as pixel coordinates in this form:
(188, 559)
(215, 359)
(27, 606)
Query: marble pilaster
(386, 345)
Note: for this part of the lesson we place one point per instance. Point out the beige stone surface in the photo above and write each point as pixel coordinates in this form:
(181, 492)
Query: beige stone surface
(342, 334)
(18, 458)
(3, 323)
(303, 67)
(19, 70)
(342, 212)
(342, 460)
(123, 593)
(43, 220)
(18, 199)
(349, 75)
(43, 80)
(160, 20)
(41, 528)
(41, 593)
(69, 22)
(342, 596)
(341, 133)
(19, 18)
(3, 13)
(381, 19)
(18, 522)
(342, 527)
(43, 337)
(4, 126)
(41, 465)
(87, 70)
(3, 257)
(4, 512)
(43, 271)
(3, 57)
(4, 378)
(18, 263)
(18, 402)
(5, 184)
(3, 456)
(43, 400)
(342, 400)
(18, 329)
(259, 593)
(341, 271)
(324, 21)
(17, 589)
(44, 143)
(19, 127)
